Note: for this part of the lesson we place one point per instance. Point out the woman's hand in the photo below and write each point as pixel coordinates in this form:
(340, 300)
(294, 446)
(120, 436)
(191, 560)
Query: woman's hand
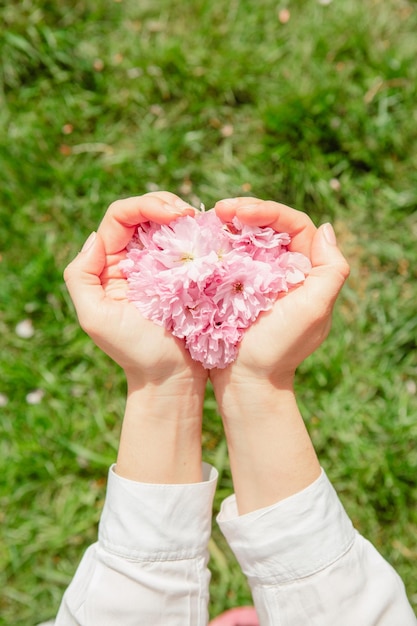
(271, 454)
(274, 346)
(145, 351)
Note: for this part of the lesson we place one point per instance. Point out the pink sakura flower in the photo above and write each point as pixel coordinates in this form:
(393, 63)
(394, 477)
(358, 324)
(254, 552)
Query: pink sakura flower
(217, 346)
(241, 289)
(245, 237)
(295, 265)
(207, 282)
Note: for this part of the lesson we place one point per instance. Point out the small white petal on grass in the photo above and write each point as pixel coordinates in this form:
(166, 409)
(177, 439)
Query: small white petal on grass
(35, 397)
(134, 72)
(334, 184)
(24, 329)
(411, 387)
(4, 400)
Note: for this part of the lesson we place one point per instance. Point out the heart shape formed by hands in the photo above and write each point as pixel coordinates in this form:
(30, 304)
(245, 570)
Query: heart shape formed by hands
(207, 282)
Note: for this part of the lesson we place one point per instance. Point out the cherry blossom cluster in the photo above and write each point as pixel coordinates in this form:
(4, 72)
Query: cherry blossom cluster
(207, 282)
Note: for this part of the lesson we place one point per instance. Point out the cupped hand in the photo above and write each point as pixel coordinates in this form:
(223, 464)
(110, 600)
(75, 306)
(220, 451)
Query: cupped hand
(300, 320)
(146, 351)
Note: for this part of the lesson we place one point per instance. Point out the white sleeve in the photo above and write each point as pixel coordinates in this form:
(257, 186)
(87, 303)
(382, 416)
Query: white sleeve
(306, 564)
(149, 565)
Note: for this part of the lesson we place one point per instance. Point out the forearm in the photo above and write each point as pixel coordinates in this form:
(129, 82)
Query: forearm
(271, 454)
(161, 433)
(304, 561)
(151, 558)
(150, 563)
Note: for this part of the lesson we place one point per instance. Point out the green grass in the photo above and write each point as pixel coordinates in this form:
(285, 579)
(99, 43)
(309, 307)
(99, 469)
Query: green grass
(208, 99)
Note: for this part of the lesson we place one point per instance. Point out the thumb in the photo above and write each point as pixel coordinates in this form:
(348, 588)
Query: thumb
(329, 267)
(82, 278)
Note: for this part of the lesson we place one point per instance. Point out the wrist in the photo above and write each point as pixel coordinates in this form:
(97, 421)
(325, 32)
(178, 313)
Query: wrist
(270, 451)
(161, 434)
(168, 381)
(188, 384)
(242, 396)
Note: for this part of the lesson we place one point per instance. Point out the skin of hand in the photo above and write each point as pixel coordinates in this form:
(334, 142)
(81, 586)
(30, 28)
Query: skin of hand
(274, 346)
(271, 454)
(144, 350)
(161, 432)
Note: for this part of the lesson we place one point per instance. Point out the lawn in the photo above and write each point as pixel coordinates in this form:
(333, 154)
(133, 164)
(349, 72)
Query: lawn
(312, 103)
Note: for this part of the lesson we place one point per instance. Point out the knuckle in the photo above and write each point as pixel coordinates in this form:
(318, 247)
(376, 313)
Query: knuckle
(115, 206)
(68, 273)
(344, 269)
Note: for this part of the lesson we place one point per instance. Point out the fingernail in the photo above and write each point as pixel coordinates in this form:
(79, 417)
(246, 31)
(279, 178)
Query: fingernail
(181, 204)
(178, 210)
(89, 242)
(249, 208)
(170, 209)
(229, 201)
(329, 234)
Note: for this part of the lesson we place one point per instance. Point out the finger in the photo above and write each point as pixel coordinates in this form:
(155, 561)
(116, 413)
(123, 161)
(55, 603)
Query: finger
(280, 217)
(330, 268)
(82, 278)
(123, 216)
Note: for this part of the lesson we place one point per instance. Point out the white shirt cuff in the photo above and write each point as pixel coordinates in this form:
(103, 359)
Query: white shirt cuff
(143, 521)
(292, 539)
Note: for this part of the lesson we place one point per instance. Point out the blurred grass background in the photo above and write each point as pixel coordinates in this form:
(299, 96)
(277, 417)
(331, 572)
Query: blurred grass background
(309, 102)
